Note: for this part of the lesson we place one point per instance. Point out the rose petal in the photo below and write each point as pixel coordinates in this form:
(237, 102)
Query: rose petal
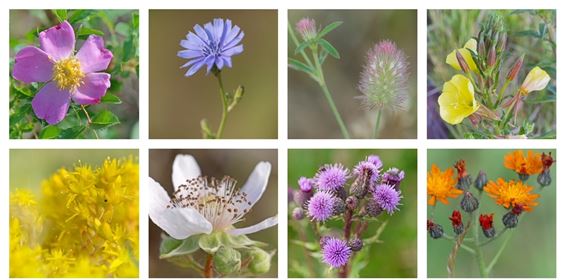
(58, 41)
(93, 55)
(179, 223)
(94, 87)
(51, 103)
(32, 64)
(267, 223)
(185, 167)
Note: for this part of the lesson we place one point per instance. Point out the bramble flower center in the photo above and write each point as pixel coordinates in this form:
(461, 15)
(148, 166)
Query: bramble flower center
(67, 73)
(218, 201)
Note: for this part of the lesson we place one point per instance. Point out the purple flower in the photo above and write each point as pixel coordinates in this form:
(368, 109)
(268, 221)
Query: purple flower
(384, 79)
(336, 252)
(387, 197)
(68, 76)
(331, 177)
(376, 160)
(321, 206)
(369, 168)
(213, 46)
(307, 28)
(305, 184)
(393, 177)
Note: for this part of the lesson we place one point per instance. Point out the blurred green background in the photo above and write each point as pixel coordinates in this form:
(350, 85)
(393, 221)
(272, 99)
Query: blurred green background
(178, 103)
(531, 251)
(530, 32)
(28, 168)
(237, 164)
(397, 255)
(119, 37)
(309, 114)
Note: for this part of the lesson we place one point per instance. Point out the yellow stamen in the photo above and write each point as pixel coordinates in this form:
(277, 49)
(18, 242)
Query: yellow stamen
(67, 73)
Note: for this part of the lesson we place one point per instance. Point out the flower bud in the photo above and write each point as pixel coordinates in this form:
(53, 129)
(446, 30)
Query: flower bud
(544, 178)
(322, 241)
(502, 43)
(361, 186)
(486, 222)
(298, 214)
(372, 208)
(491, 57)
(462, 62)
(356, 244)
(464, 180)
(457, 224)
(341, 193)
(469, 203)
(301, 198)
(351, 202)
(510, 219)
(393, 177)
(434, 230)
(227, 260)
(260, 261)
(306, 184)
(481, 47)
(481, 180)
(339, 206)
(515, 68)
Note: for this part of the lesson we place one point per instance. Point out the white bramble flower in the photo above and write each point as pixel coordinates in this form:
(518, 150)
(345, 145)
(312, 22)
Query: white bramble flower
(204, 205)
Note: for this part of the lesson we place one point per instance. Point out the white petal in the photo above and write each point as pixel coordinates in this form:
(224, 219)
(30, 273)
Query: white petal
(184, 167)
(256, 183)
(267, 223)
(179, 223)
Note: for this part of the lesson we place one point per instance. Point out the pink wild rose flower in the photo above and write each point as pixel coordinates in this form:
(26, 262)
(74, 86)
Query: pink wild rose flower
(67, 75)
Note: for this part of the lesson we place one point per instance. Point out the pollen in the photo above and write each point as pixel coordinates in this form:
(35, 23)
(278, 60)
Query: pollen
(67, 73)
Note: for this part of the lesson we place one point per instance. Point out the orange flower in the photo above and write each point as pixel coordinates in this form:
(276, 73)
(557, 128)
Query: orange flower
(532, 164)
(441, 185)
(511, 194)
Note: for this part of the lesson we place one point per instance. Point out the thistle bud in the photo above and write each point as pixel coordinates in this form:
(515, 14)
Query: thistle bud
(301, 197)
(434, 230)
(361, 186)
(393, 177)
(351, 202)
(339, 206)
(298, 214)
(481, 180)
(341, 193)
(322, 241)
(469, 203)
(373, 209)
(457, 224)
(356, 244)
(486, 222)
(462, 62)
(515, 68)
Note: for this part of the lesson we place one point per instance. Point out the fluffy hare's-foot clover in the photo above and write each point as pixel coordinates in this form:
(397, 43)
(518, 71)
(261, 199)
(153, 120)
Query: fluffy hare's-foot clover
(202, 212)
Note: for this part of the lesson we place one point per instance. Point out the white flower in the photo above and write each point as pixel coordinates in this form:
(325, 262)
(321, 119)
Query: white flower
(203, 205)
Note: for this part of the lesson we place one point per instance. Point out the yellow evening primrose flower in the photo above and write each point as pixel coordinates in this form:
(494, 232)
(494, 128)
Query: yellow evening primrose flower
(537, 79)
(457, 100)
(466, 53)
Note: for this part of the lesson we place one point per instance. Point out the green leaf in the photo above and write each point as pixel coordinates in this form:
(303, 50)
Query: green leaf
(375, 238)
(61, 15)
(72, 133)
(329, 28)
(110, 98)
(104, 119)
(171, 247)
(299, 66)
(79, 15)
(302, 46)
(360, 261)
(329, 48)
(311, 246)
(49, 132)
(26, 92)
(84, 32)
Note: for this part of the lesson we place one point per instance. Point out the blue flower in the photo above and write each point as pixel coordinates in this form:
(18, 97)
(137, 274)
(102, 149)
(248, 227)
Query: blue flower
(213, 46)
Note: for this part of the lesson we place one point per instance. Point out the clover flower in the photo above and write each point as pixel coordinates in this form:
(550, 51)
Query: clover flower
(469, 48)
(212, 45)
(387, 197)
(203, 205)
(441, 185)
(321, 206)
(384, 79)
(457, 100)
(536, 80)
(336, 252)
(67, 76)
(331, 177)
(307, 28)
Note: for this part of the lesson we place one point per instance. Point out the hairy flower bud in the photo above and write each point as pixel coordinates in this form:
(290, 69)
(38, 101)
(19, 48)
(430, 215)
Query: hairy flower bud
(356, 244)
(373, 209)
(544, 178)
(393, 177)
(434, 230)
(260, 261)
(481, 180)
(298, 214)
(322, 241)
(351, 202)
(457, 224)
(486, 222)
(510, 219)
(515, 68)
(462, 62)
(301, 197)
(384, 79)
(227, 260)
(464, 180)
(469, 202)
(491, 57)
(339, 206)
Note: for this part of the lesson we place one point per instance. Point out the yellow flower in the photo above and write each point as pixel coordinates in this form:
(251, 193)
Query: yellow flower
(457, 100)
(537, 79)
(466, 53)
(441, 185)
(511, 194)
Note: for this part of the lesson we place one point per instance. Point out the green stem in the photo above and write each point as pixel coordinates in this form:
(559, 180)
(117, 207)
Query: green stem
(479, 254)
(224, 106)
(498, 254)
(494, 238)
(296, 41)
(328, 96)
(500, 95)
(377, 122)
(463, 246)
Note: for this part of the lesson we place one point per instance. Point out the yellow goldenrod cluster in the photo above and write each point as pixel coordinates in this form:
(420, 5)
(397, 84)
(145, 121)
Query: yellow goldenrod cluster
(84, 224)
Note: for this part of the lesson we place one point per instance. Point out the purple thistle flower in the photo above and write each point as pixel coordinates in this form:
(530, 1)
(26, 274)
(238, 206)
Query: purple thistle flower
(213, 46)
(384, 79)
(367, 167)
(331, 177)
(336, 252)
(376, 160)
(321, 206)
(387, 197)
(307, 28)
(305, 184)
(393, 177)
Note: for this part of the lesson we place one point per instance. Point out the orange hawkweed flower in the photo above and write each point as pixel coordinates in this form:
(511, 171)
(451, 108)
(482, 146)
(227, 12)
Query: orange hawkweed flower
(511, 194)
(529, 165)
(441, 185)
